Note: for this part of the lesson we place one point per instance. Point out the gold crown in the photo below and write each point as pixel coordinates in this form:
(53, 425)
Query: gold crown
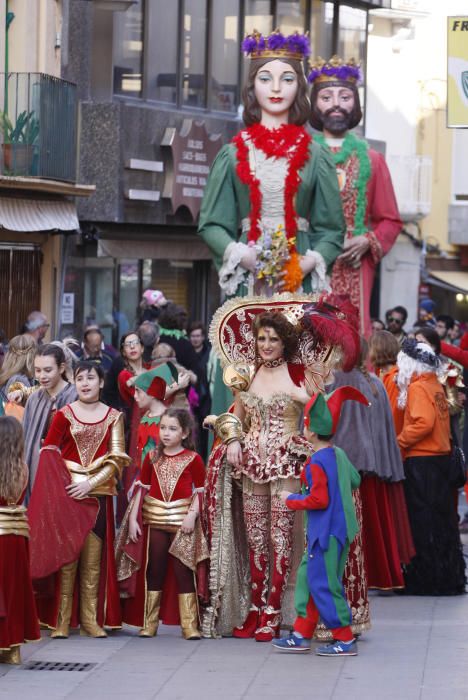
(296, 46)
(334, 69)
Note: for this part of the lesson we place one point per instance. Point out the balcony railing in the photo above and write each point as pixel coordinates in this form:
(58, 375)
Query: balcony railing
(37, 126)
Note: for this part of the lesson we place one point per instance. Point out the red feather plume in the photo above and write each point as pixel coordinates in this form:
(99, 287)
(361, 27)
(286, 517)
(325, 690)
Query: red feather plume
(334, 320)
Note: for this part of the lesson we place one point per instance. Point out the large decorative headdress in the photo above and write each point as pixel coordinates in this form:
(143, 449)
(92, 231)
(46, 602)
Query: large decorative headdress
(335, 71)
(321, 347)
(334, 321)
(295, 47)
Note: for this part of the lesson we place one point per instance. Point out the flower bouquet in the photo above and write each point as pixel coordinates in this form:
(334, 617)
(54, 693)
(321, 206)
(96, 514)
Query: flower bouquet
(277, 267)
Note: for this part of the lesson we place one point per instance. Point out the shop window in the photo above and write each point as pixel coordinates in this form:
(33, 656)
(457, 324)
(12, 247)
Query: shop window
(161, 53)
(173, 277)
(127, 312)
(258, 15)
(321, 29)
(225, 52)
(128, 51)
(98, 296)
(291, 15)
(352, 33)
(194, 53)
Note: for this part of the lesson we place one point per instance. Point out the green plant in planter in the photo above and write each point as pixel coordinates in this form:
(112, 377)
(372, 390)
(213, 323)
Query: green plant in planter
(18, 142)
(25, 131)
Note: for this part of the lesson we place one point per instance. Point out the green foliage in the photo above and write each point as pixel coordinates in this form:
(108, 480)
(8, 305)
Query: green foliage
(25, 130)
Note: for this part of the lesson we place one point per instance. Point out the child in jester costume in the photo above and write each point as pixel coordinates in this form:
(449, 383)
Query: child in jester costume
(153, 390)
(328, 480)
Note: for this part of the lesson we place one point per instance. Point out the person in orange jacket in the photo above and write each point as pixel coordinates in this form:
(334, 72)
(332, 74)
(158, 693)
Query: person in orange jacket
(438, 567)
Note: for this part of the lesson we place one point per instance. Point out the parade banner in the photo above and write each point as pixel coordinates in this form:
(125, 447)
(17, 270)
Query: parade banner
(457, 72)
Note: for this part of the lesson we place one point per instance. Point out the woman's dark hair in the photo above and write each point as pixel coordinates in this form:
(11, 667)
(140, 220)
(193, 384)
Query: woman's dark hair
(280, 324)
(124, 338)
(316, 116)
(55, 351)
(173, 317)
(432, 337)
(300, 108)
(383, 349)
(87, 366)
(184, 418)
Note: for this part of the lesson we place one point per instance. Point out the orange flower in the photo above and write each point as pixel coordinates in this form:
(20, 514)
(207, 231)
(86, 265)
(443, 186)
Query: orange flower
(292, 273)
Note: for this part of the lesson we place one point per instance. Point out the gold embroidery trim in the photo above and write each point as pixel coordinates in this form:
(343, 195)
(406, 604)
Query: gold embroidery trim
(88, 437)
(168, 471)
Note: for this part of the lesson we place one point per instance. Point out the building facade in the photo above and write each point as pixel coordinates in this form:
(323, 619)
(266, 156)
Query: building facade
(159, 89)
(38, 175)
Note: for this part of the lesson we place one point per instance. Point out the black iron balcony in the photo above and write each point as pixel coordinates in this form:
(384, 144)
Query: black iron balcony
(38, 125)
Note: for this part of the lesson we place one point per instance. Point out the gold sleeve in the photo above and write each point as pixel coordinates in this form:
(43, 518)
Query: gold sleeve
(117, 452)
(104, 474)
(228, 428)
(117, 437)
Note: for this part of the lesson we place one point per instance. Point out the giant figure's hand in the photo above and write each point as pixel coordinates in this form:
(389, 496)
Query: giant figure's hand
(248, 259)
(353, 250)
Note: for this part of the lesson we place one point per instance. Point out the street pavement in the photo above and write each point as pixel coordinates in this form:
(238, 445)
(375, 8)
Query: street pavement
(417, 650)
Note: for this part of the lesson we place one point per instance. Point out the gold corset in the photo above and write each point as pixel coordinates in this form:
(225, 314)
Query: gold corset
(14, 521)
(165, 515)
(271, 425)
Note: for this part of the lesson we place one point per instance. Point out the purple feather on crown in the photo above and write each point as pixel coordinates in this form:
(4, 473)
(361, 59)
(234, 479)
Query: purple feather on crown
(276, 41)
(341, 71)
(296, 44)
(249, 44)
(299, 43)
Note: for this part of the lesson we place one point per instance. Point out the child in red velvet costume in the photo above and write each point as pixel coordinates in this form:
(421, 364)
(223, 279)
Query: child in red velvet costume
(18, 616)
(161, 543)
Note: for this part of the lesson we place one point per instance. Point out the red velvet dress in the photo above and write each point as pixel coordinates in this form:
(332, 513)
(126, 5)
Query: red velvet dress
(78, 442)
(396, 493)
(169, 479)
(18, 615)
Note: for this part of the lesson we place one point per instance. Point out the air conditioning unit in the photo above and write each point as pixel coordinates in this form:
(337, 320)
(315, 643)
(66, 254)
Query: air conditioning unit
(412, 181)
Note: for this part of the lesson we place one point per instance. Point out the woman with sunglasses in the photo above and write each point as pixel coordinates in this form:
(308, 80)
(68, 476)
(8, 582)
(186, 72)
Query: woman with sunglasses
(131, 348)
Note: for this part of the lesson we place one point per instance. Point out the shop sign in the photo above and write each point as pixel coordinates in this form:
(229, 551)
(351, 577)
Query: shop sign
(68, 308)
(192, 151)
(457, 72)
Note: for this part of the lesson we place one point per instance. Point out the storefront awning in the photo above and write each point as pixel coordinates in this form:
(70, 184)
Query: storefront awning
(171, 248)
(29, 215)
(453, 281)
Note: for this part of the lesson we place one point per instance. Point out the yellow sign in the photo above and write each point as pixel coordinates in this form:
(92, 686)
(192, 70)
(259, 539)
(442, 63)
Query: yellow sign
(457, 72)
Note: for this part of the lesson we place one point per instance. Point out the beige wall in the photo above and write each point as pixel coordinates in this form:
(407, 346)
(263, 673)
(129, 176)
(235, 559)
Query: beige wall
(32, 36)
(406, 107)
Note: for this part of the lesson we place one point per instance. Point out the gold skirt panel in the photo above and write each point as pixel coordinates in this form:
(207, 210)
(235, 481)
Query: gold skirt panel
(167, 516)
(14, 521)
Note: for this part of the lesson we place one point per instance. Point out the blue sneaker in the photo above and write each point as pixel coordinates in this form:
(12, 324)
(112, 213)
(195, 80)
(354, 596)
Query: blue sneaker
(337, 648)
(292, 644)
